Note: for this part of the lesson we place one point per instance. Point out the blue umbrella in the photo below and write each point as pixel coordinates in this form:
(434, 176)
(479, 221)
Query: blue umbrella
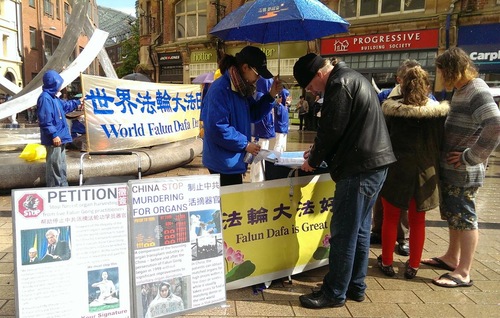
(266, 21)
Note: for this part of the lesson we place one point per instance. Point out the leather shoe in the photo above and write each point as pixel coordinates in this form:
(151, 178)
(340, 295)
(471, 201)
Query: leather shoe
(352, 296)
(318, 299)
(403, 249)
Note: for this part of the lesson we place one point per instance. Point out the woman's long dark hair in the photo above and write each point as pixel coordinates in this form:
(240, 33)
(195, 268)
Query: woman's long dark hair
(226, 62)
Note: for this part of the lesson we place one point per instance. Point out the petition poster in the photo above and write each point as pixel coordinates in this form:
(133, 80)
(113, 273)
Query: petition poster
(177, 245)
(72, 252)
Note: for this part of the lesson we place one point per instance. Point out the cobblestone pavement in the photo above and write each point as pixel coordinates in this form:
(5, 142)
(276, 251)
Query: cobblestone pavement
(386, 297)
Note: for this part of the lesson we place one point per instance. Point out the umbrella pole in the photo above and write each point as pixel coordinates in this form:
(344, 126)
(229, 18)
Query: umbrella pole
(278, 60)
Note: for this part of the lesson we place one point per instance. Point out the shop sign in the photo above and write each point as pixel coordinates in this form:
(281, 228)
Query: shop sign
(286, 50)
(393, 41)
(170, 58)
(204, 56)
(482, 44)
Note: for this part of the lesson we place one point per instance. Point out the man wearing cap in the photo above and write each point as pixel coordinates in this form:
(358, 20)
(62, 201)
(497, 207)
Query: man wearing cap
(353, 140)
(229, 109)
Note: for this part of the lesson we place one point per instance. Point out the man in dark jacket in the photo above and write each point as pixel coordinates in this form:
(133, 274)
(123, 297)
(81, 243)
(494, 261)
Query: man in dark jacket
(54, 132)
(353, 140)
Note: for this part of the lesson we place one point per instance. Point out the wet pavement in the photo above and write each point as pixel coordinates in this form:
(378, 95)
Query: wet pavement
(386, 297)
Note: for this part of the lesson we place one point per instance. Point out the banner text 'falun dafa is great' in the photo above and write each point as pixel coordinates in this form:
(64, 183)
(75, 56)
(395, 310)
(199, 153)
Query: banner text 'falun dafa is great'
(124, 114)
(275, 228)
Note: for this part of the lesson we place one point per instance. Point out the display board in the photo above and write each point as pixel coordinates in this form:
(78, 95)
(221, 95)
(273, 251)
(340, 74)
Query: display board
(148, 248)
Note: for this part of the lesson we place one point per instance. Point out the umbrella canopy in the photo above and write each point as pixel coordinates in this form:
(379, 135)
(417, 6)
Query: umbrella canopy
(137, 77)
(266, 21)
(204, 78)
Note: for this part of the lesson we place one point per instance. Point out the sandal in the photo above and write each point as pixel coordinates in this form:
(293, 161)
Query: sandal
(410, 272)
(387, 270)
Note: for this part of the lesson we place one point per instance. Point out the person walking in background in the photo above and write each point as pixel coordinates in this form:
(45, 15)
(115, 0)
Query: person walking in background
(31, 114)
(229, 108)
(54, 131)
(263, 131)
(318, 102)
(472, 133)
(281, 121)
(303, 109)
(415, 124)
(353, 140)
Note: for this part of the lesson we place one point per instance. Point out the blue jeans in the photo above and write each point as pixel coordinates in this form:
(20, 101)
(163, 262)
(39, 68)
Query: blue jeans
(55, 167)
(350, 231)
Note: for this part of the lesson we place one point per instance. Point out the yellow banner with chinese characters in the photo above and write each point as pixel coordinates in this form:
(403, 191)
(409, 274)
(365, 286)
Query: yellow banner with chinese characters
(124, 114)
(275, 228)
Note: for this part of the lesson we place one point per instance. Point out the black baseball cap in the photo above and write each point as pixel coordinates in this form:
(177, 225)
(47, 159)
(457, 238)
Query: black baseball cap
(254, 57)
(306, 68)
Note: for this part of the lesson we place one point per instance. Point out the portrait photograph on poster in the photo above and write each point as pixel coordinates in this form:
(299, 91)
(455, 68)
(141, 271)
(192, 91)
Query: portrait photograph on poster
(104, 286)
(46, 245)
(165, 297)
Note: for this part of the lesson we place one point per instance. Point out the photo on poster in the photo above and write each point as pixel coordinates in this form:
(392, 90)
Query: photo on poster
(164, 298)
(174, 228)
(162, 230)
(203, 223)
(45, 245)
(146, 232)
(103, 289)
(205, 233)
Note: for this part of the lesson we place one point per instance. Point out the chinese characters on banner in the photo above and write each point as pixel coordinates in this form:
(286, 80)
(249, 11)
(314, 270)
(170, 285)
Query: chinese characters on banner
(123, 114)
(276, 228)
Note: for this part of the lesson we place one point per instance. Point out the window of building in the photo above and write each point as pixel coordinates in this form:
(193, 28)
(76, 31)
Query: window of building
(32, 3)
(5, 42)
(58, 9)
(32, 38)
(366, 8)
(50, 45)
(190, 19)
(48, 8)
(66, 13)
(389, 60)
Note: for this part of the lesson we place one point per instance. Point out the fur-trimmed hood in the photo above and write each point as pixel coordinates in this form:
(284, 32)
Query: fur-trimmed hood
(432, 109)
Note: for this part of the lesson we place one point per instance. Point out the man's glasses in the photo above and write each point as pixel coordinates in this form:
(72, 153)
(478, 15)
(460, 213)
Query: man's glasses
(254, 70)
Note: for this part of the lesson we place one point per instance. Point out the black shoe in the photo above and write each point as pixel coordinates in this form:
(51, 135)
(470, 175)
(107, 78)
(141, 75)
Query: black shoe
(375, 238)
(387, 270)
(403, 249)
(353, 296)
(410, 272)
(318, 299)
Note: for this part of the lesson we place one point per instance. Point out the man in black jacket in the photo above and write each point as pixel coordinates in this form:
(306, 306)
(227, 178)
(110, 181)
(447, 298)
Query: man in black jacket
(353, 140)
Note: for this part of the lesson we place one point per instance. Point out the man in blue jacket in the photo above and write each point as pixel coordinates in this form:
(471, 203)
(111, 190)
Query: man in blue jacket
(54, 132)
